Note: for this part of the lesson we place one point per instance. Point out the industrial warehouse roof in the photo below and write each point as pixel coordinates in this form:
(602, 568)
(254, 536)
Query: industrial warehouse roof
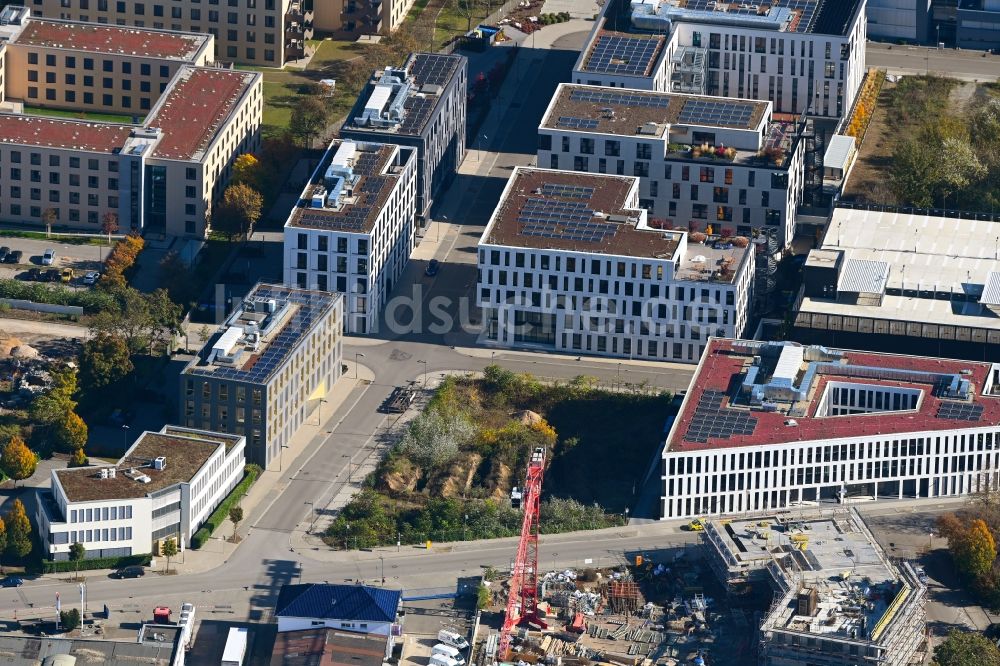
(111, 39)
(864, 276)
(31, 651)
(377, 176)
(338, 602)
(195, 107)
(184, 457)
(328, 647)
(607, 110)
(718, 410)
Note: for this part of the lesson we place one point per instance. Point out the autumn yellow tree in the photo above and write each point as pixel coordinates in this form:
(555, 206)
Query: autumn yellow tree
(978, 551)
(70, 432)
(78, 459)
(18, 542)
(19, 462)
(246, 169)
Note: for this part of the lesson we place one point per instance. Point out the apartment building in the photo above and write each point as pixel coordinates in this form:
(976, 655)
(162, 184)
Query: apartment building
(420, 105)
(162, 172)
(268, 367)
(352, 229)
(767, 426)
(713, 164)
(350, 18)
(839, 599)
(164, 487)
(569, 262)
(885, 280)
(267, 33)
(804, 55)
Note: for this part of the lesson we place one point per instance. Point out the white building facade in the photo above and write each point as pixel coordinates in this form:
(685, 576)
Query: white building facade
(353, 228)
(750, 176)
(925, 434)
(638, 292)
(147, 497)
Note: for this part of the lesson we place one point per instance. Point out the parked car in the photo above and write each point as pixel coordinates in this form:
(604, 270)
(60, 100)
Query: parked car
(14, 257)
(49, 257)
(90, 277)
(4, 251)
(34, 274)
(51, 275)
(66, 275)
(11, 581)
(432, 267)
(130, 572)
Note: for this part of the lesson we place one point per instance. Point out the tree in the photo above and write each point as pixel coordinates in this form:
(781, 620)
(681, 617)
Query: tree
(434, 438)
(483, 597)
(109, 224)
(168, 549)
(76, 553)
(105, 360)
(139, 319)
(914, 165)
(3, 536)
(78, 459)
(50, 216)
(966, 648)
(977, 551)
(19, 462)
(240, 209)
(69, 619)
(246, 169)
(18, 542)
(308, 119)
(236, 516)
(70, 432)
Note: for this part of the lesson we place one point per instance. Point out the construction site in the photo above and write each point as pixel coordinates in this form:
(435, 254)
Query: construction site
(775, 590)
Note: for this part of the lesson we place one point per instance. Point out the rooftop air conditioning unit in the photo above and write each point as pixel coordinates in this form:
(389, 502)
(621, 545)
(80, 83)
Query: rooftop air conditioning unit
(160, 463)
(104, 472)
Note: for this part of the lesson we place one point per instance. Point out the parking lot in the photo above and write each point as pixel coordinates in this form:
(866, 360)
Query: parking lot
(424, 619)
(81, 258)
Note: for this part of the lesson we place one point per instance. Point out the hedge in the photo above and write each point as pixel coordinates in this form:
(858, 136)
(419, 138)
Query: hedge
(220, 515)
(90, 300)
(97, 563)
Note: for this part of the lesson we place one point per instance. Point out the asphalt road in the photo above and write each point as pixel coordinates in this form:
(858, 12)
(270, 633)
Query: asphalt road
(968, 65)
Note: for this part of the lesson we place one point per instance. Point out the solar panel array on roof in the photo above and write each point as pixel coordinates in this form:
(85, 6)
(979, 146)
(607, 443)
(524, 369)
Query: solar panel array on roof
(614, 54)
(619, 98)
(569, 191)
(577, 123)
(806, 9)
(713, 112)
(566, 220)
(433, 69)
(959, 411)
(711, 421)
(418, 109)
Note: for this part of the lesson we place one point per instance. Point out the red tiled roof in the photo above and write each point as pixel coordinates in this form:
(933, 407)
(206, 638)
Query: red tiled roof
(59, 133)
(721, 370)
(194, 108)
(110, 39)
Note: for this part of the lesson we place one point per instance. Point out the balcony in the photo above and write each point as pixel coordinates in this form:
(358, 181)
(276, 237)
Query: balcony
(688, 70)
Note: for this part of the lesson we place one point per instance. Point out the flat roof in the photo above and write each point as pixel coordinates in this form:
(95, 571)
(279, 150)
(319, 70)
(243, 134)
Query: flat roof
(377, 178)
(296, 312)
(197, 104)
(429, 74)
(31, 651)
(185, 456)
(111, 39)
(327, 647)
(716, 414)
(607, 110)
(63, 133)
(623, 53)
(938, 267)
(565, 210)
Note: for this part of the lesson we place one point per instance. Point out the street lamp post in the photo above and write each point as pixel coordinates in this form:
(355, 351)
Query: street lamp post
(437, 228)
(357, 355)
(626, 515)
(424, 382)
(465, 523)
(281, 457)
(619, 382)
(479, 151)
(381, 560)
(125, 434)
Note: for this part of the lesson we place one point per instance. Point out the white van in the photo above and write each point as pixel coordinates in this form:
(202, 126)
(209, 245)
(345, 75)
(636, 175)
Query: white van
(453, 639)
(449, 651)
(442, 660)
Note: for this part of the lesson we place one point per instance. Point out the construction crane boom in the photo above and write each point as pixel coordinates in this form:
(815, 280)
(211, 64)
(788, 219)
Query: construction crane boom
(522, 602)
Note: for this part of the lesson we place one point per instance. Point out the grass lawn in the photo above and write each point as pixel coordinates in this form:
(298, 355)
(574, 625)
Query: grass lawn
(79, 115)
(70, 240)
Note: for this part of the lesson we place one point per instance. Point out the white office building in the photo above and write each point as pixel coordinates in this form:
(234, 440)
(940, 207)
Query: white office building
(165, 486)
(352, 230)
(569, 262)
(801, 54)
(766, 426)
(717, 165)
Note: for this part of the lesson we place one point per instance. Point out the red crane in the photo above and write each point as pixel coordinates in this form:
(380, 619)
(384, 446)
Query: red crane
(522, 602)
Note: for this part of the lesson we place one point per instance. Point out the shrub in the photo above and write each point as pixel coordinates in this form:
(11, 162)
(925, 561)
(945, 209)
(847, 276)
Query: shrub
(221, 513)
(91, 301)
(69, 619)
(97, 563)
(121, 258)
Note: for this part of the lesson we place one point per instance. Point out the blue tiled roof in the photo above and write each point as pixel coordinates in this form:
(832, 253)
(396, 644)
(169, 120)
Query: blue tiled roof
(338, 602)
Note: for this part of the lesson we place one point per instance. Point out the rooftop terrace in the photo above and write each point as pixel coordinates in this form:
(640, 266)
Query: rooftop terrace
(135, 475)
(261, 335)
(196, 105)
(349, 187)
(62, 133)
(734, 401)
(112, 39)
